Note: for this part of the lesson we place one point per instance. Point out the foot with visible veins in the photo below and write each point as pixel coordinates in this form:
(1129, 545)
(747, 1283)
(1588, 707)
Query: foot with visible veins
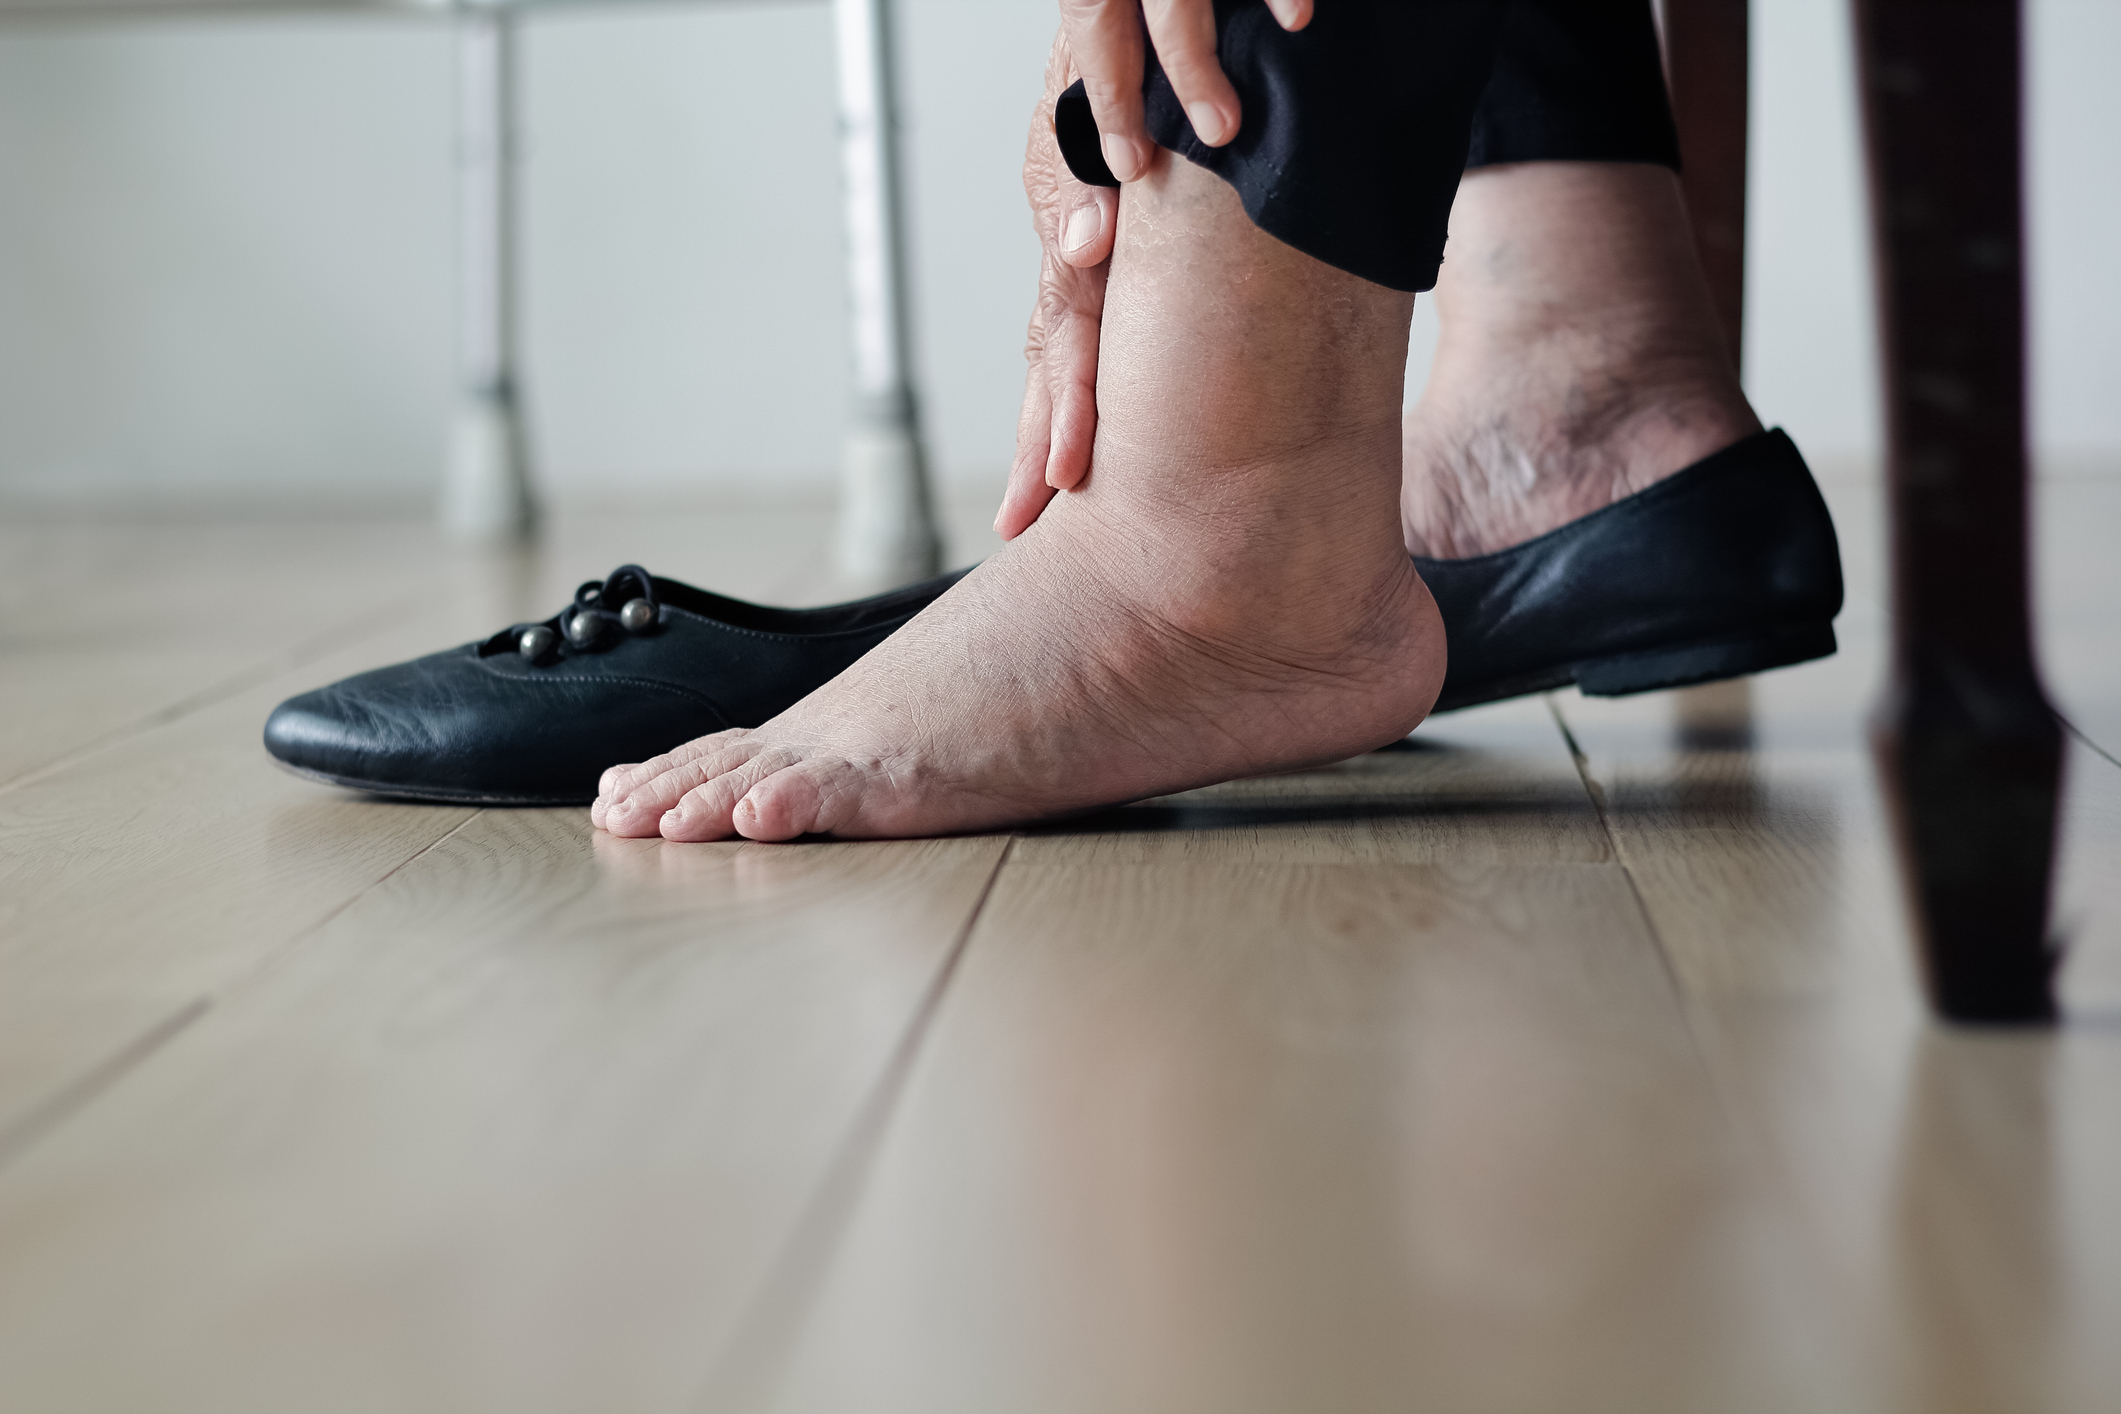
(1579, 359)
(1226, 594)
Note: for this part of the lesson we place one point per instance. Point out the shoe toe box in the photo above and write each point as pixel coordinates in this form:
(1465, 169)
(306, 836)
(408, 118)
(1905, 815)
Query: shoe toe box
(453, 726)
(391, 727)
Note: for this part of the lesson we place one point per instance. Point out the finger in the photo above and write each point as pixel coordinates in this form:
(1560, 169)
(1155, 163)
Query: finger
(1105, 40)
(1071, 285)
(1089, 220)
(1292, 15)
(1027, 491)
(1074, 318)
(1183, 32)
(1074, 418)
(1026, 498)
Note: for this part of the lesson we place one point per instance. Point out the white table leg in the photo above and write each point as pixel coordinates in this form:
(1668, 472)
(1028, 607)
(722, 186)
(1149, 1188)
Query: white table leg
(887, 531)
(486, 487)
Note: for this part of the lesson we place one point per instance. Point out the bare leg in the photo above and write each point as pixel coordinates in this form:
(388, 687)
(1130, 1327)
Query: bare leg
(1225, 594)
(1580, 359)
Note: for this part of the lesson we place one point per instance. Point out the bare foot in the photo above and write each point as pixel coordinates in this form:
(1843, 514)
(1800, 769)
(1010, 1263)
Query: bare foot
(1225, 594)
(1580, 359)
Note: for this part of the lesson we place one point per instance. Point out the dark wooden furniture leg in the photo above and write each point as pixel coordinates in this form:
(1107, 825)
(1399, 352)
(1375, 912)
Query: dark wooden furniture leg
(1969, 750)
(1705, 64)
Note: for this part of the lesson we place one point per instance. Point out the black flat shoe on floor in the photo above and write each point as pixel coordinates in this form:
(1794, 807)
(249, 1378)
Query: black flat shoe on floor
(533, 715)
(1728, 567)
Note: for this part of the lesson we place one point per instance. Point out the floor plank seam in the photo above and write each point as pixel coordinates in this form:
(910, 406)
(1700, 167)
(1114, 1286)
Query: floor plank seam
(1755, 1145)
(1726, 1101)
(1596, 793)
(19, 1137)
(275, 956)
(2092, 746)
(743, 1373)
(71, 1099)
(304, 651)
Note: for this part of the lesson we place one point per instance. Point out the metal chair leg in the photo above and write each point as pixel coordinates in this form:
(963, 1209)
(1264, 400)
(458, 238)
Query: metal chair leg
(887, 530)
(1968, 747)
(486, 487)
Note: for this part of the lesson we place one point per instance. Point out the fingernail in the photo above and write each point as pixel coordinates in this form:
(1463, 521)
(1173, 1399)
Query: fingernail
(1208, 123)
(1121, 156)
(1082, 228)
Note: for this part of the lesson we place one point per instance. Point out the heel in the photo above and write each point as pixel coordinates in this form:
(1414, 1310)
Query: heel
(1703, 662)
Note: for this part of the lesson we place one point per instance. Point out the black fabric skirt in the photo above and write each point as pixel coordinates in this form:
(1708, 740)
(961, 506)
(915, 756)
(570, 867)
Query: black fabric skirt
(1357, 127)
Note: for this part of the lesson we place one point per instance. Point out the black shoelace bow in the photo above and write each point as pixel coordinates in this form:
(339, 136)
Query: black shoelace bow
(602, 613)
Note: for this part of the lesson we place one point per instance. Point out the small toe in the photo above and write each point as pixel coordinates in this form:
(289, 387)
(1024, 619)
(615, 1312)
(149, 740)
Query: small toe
(620, 782)
(704, 813)
(638, 810)
(694, 820)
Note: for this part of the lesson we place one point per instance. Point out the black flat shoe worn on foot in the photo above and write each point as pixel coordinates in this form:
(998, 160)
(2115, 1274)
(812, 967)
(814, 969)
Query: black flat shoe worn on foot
(1728, 567)
(533, 715)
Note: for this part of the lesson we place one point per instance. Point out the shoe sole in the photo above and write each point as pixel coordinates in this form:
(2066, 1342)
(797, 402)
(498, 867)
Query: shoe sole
(1652, 670)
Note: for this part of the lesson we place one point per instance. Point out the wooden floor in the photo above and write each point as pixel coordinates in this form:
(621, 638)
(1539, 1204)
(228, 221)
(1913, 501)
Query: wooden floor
(1570, 1060)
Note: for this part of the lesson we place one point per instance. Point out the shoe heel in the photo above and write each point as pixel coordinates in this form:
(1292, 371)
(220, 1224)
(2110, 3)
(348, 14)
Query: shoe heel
(1703, 662)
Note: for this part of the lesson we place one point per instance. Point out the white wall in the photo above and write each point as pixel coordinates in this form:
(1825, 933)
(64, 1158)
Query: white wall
(224, 246)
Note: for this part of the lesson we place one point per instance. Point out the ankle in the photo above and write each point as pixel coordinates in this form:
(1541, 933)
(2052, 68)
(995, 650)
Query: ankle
(1504, 447)
(1226, 354)
(1581, 360)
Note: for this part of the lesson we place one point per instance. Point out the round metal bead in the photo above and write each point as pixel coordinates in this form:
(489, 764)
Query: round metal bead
(583, 629)
(637, 615)
(536, 642)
